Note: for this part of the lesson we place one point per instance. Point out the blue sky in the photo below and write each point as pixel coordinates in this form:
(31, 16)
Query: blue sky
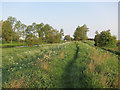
(67, 15)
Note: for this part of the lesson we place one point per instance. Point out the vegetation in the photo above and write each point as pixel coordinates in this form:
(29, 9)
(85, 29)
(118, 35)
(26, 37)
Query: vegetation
(12, 45)
(41, 66)
(104, 39)
(73, 64)
(45, 60)
(7, 33)
(15, 30)
(67, 38)
(80, 33)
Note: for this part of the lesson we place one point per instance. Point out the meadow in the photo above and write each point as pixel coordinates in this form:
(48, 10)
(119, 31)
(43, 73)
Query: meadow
(65, 65)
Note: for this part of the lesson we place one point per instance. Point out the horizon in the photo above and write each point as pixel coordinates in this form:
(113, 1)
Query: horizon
(67, 15)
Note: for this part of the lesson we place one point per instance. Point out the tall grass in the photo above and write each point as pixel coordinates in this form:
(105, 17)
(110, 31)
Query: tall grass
(94, 69)
(65, 65)
(41, 66)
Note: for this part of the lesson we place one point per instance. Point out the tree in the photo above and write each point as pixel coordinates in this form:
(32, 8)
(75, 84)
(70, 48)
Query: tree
(29, 35)
(104, 39)
(13, 20)
(67, 37)
(96, 39)
(18, 28)
(46, 28)
(81, 33)
(7, 32)
(1, 28)
(62, 32)
(23, 27)
(40, 31)
(53, 36)
(34, 29)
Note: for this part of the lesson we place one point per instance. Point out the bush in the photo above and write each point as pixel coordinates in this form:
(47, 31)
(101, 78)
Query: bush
(67, 37)
(104, 39)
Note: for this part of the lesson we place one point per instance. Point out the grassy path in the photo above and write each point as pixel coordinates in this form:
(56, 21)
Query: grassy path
(91, 68)
(67, 82)
(75, 75)
(68, 65)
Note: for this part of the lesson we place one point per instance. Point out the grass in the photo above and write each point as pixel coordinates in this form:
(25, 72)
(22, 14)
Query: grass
(64, 65)
(94, 69)
(39, 66)
(6, 45)
(14, 44)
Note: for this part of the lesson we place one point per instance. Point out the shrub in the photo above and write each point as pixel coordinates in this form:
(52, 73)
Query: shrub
(104, 39)
(67, 37)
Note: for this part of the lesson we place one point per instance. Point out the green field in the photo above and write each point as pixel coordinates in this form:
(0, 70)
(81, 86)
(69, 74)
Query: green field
(7, 45)
(65, 65)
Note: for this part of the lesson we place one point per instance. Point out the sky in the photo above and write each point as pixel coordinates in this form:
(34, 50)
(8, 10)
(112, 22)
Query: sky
(98, 16)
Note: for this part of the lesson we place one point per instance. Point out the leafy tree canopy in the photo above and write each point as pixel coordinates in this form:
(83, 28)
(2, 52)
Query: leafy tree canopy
(104, 39)
(80, 33)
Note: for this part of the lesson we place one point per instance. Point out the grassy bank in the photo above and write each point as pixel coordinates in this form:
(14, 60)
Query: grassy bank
(94, 68)
(65, 65)
(36, 66)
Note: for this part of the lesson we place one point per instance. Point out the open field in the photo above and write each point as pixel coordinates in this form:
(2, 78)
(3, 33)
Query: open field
(67, 65)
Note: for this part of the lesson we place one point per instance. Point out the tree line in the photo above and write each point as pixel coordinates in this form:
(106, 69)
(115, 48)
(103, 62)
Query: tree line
(14, 30)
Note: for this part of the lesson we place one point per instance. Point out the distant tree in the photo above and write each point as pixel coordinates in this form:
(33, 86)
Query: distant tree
(40, 31)
(1, 28)
(105, 39)
(58, 37)
(13, 29)
(13, 20)
(29, 35)
(96, 39)
(7, 32)
(67, 37)
(80, 33)
(62, 32)
(34, 29)
(53, 36)
(23, 27)
(18, 29)
(97, 32)
(46, 28)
